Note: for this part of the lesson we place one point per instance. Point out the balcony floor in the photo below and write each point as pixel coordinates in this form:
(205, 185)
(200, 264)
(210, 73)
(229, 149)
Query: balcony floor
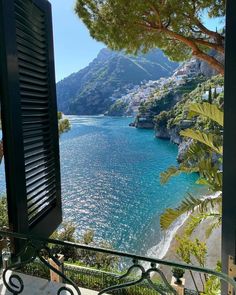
(38, 286)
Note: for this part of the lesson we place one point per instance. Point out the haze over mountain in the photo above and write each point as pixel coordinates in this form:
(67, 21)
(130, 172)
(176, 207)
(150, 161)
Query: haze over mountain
(94, 89)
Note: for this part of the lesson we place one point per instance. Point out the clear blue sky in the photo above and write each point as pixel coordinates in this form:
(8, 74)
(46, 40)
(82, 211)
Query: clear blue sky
(74, 48)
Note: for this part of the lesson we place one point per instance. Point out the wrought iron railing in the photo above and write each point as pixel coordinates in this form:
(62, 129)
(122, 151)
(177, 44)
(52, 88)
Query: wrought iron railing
(138, 275)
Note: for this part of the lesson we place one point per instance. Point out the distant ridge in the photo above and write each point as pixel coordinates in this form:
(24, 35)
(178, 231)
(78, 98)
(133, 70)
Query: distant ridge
(94, 89)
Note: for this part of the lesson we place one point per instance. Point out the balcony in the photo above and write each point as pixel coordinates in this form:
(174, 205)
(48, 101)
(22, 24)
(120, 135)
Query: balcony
(39, 270)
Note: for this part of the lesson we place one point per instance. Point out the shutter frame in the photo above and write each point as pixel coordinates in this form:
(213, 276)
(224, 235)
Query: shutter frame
(15, 104)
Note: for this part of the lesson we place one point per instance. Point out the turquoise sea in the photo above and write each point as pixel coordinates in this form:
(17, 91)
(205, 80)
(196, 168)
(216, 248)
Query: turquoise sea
(110, 181)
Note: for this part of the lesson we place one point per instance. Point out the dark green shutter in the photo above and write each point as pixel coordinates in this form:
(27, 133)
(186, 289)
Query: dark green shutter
(29, 116)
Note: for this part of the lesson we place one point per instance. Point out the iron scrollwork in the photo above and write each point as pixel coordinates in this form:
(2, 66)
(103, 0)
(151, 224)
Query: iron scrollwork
(136, 274)
(14, 283)
(57, 262)
(144, 275)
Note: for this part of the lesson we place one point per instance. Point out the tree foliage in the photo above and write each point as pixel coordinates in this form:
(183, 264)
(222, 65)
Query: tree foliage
(206, 139)
(63, 123)
(3, 212)
(207, 110)
(67, 232)
(190, 204)
(199, 158)
(176, 27)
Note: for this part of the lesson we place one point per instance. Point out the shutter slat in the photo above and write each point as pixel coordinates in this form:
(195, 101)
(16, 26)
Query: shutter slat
(31, 181)
(26, 36)
(39, 191)
(36, 215)
(43, 204)
(32, 81)
(43, 195)
(35, 161)
(35, 127)
(32, 66)
(34, 109)
(29, 8)
(36, 172)
(31, 87)
(31, 53)
(38, 152)
(35, 186)
(32, 73)
(23, 15)
(26, 121)
(34, 168)
(25, 43)
(32, 147)
(33, 101)
(31, 33)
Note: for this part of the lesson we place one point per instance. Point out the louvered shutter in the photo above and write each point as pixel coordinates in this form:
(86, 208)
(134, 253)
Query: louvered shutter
(29, 116)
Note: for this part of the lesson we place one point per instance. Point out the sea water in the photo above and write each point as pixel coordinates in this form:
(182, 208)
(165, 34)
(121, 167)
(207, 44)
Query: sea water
(110, 181)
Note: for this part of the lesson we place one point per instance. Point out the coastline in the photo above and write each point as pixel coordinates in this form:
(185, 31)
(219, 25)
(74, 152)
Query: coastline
(166, 248)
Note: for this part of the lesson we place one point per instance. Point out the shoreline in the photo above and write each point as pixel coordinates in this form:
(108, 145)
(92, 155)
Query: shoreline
(161, 249)
(167, 246)
(165, 249)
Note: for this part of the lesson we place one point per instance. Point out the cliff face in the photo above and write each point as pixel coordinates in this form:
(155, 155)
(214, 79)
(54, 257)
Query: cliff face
(109, 76)
(173, 133)
(144, 123)
(168, 125)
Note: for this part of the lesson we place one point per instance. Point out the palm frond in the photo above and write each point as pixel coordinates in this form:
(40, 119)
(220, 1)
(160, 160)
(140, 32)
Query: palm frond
(215, 224)
(207, 110)
(174, 171)
(189, 204)
(168, 217)
(194, 222)
(210, 174)
(206, 139)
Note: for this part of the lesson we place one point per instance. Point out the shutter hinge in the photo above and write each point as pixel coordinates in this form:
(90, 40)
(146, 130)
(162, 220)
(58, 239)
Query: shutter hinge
(231, 273)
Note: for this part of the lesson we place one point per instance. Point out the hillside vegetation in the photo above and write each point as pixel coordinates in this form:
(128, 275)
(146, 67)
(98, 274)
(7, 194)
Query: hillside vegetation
(168, 124)
(109, 76)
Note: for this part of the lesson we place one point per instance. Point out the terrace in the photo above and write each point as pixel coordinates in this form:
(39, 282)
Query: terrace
(29, 119)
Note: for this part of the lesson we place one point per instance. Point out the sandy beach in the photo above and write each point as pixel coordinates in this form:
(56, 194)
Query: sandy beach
(213, 243)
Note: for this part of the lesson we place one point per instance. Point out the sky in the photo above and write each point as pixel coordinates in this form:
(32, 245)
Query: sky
(73, 46)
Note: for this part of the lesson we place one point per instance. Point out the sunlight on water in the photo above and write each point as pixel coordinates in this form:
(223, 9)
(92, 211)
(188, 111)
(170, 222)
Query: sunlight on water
(110, 181)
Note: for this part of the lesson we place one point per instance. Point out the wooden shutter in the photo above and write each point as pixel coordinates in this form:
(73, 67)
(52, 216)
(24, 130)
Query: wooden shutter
(29, 116)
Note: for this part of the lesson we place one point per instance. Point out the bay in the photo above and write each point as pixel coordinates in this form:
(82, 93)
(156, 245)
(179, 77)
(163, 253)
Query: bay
(110, 181)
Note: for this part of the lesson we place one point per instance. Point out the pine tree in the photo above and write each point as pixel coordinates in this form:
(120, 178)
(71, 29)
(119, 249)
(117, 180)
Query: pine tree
(176, 27)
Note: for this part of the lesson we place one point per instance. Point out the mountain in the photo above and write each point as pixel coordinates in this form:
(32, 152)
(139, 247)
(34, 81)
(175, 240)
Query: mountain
(110, 75)
(168, 88)
(183, 79)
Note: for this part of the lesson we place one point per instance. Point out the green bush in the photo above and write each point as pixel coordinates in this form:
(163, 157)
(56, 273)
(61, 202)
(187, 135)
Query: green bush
(162, 119)
(3, 212)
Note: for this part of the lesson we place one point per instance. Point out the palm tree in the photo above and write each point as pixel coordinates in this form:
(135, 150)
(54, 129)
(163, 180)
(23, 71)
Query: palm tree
(198, 158)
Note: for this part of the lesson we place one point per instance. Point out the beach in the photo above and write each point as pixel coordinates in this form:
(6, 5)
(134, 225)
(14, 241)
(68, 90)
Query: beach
(167, 247)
